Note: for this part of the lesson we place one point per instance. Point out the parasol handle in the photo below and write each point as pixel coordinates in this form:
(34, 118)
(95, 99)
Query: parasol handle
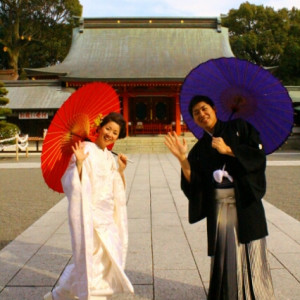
(231, 115)
(229, 119)
(115, 153)
(238, 102)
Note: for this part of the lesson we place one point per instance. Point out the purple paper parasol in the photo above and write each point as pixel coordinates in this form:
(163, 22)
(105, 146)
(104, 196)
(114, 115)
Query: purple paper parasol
(241, 89)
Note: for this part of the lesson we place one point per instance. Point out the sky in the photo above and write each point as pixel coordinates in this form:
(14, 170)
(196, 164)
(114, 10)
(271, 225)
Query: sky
(172, 8)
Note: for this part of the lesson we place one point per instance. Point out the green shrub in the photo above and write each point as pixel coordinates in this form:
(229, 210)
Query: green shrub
(8, 130)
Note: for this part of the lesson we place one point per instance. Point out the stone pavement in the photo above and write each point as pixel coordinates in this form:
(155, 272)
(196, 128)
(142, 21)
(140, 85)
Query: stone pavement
(167, 256)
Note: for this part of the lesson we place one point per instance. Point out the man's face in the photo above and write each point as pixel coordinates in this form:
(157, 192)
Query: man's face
(204, 116)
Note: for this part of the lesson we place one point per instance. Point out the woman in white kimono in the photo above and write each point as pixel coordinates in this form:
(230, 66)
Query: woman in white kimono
(95, 188)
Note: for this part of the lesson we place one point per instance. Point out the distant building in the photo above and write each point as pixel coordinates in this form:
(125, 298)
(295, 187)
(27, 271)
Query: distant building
(9, 74)
(34, 103)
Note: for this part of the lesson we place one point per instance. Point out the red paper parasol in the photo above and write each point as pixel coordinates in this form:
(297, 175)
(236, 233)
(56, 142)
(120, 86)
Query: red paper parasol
(76, 120)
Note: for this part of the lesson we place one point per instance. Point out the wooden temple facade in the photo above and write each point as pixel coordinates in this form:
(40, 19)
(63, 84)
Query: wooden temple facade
(144, 59)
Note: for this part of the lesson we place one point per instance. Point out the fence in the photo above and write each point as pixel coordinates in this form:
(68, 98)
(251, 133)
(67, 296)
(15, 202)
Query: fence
(15, 143)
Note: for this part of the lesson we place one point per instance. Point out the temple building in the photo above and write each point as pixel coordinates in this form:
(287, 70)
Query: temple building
(144, 59)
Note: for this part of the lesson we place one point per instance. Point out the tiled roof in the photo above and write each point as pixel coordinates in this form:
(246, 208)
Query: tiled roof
(36, 94)
(135, 49)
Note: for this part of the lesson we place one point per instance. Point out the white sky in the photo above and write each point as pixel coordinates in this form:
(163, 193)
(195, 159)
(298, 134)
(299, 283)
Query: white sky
(172, 8)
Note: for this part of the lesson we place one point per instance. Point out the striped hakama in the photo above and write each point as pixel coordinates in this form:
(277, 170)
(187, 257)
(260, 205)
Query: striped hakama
(238, 271)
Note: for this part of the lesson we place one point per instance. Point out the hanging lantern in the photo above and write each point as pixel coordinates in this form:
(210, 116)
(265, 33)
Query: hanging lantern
(5, 49)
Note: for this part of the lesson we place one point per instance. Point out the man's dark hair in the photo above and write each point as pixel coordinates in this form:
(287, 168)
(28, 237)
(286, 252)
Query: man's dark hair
(117, 118)
(200, 98)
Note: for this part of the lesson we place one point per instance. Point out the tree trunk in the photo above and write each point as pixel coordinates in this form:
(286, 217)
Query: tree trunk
(13, 60)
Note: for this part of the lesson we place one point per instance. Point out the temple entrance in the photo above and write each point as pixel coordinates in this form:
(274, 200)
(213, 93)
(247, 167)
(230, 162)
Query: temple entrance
(151, 115)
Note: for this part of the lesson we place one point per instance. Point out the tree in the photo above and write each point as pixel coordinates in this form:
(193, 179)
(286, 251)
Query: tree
(258, 34)
(7, 130)
(37, 32)
(266, 37)
(289, 66)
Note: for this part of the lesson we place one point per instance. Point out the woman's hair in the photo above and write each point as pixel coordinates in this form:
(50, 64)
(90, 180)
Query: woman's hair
(200, 98)
(117, 118)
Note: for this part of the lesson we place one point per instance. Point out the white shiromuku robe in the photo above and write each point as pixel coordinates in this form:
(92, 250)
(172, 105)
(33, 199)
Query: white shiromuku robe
(98, 227)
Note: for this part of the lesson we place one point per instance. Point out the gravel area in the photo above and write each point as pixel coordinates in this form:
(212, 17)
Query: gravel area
(283, 189)
(24, 198)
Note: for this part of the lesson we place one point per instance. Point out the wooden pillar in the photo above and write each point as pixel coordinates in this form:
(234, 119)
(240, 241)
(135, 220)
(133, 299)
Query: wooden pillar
(177, 115)
(126, 110)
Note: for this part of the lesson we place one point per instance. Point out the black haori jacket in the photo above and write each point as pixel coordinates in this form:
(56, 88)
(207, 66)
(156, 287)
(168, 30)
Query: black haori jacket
(248, 171)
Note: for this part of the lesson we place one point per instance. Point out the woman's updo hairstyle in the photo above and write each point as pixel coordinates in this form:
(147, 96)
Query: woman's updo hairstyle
(117, 118)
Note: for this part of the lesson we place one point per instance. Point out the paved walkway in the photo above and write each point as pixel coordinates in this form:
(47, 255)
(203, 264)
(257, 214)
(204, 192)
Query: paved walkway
(167, 256)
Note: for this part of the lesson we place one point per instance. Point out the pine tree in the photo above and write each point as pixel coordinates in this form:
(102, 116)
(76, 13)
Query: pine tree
(7, 130)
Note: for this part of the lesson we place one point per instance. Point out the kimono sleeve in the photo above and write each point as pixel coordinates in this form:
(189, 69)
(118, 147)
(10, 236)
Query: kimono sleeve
(79, 194)
(70, 180)
(120, 211)
(251, 158)
(249, 149)
(193, 190)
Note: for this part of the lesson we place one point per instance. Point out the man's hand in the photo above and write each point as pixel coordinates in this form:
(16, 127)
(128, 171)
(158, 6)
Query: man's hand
(219, 144)
(177, 148)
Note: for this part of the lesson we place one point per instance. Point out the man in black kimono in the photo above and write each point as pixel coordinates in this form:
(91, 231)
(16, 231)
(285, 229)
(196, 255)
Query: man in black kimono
(224, 179)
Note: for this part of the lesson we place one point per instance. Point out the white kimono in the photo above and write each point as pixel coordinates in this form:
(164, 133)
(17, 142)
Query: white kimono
(98, 226)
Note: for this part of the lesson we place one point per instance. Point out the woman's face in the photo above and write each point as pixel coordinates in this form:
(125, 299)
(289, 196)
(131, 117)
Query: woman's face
(108, 134)
(205, 116)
